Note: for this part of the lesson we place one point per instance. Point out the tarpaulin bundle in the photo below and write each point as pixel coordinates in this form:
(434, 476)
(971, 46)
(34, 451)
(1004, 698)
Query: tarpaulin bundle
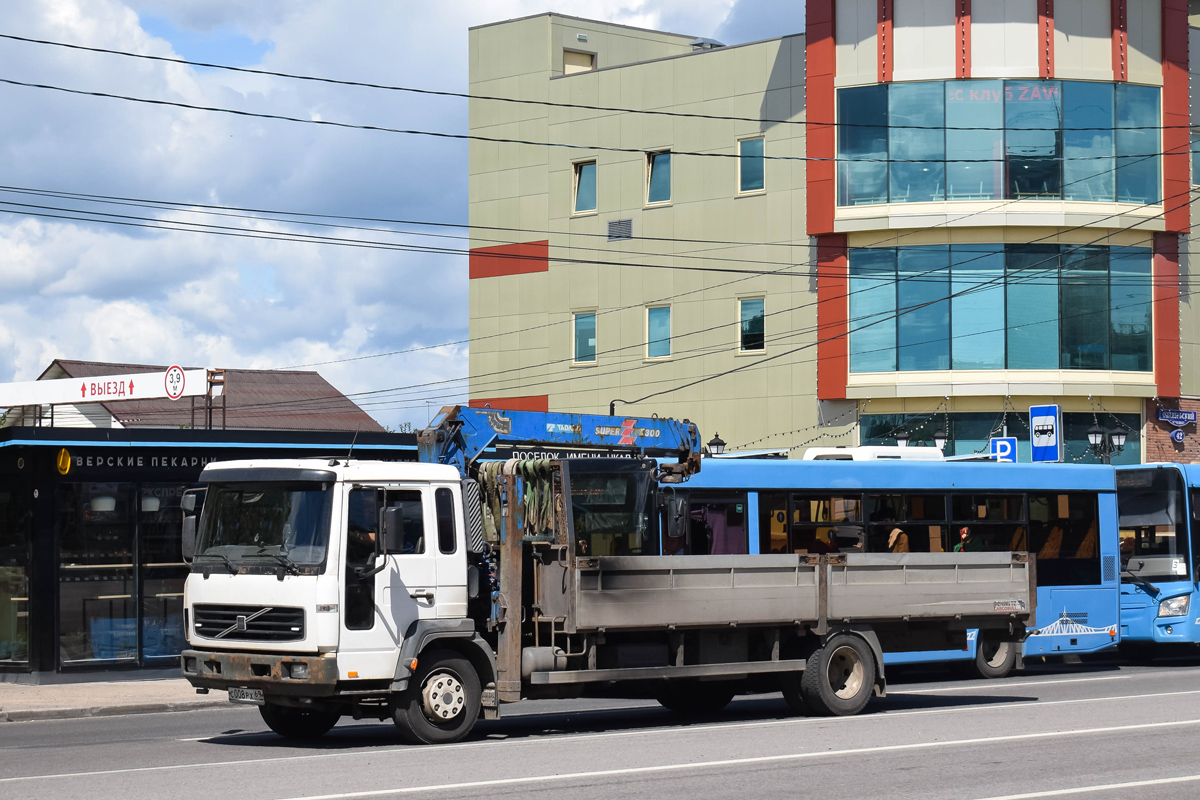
(489, 490)
(537, 497)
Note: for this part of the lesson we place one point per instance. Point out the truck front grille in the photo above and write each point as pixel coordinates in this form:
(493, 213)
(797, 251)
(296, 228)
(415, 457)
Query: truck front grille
(249, 623)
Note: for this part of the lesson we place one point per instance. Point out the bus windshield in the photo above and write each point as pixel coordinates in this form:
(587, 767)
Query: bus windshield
(260, 523)
(1154, 534)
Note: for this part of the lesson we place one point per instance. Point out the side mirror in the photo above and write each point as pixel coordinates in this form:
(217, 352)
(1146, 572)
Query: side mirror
(189, 537)
(676, 516)
(188, 502)
(393, 530)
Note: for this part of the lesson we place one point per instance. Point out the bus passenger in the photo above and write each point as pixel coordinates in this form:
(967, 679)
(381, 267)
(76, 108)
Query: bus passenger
(969, 543)
(897, 541)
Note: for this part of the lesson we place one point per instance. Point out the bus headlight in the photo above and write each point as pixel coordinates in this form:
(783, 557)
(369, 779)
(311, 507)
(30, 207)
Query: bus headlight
(1174, 606)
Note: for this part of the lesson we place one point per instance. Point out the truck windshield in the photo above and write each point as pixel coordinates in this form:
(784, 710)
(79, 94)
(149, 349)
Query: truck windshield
(262, 522)
(1154, 534)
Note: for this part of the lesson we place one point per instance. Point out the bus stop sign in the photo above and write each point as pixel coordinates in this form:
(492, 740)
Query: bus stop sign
(1004, 449)
(1045, 424)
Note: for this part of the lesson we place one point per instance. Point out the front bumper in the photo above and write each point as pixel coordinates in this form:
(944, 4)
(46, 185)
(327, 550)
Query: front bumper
(271, 672)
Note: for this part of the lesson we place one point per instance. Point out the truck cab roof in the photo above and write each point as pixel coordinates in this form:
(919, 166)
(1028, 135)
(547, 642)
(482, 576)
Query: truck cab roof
(327, 469)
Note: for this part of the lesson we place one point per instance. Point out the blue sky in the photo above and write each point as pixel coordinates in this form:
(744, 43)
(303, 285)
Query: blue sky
(85, 290)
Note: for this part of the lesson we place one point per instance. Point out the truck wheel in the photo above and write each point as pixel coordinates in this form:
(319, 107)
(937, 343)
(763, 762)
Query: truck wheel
(994, 658)
(297, 723)
(695, 699)
(441, 702)
(839, 677)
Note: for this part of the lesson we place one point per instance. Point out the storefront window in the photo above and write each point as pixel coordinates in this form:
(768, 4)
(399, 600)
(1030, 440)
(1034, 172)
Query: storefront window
(14, 572)
(1032, 323)
(1084, 286)
(162, 570)
(977, 334)
(1131, 308)
(97, 612)
(981, 140)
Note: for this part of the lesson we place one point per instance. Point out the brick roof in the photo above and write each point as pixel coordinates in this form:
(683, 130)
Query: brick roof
(254, 398)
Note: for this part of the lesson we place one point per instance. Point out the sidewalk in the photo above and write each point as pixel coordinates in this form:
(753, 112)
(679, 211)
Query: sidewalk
(20, 703)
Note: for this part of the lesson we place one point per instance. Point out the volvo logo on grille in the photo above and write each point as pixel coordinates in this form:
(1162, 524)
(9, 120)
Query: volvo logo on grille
(242, 622)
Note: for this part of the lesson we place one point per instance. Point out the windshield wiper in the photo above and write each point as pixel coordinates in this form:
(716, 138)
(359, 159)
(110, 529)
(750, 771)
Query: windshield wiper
(1142, 582)
(287, 563)
(228, 564)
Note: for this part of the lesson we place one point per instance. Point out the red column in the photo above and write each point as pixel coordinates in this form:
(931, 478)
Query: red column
(1166, 314)
(884, 38)
(1175, 139)
(962, 24)
(1120, 41)
(833, 323)
(1046, 38)
(821, 62)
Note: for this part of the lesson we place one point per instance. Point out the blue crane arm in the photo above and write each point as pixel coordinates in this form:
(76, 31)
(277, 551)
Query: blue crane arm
(459, 435)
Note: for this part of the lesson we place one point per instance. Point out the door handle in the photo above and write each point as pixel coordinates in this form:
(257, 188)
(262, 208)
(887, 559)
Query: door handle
(420, 594)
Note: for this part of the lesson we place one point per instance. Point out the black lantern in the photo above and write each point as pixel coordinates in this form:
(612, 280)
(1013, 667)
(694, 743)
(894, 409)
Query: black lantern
(939, 439)
(902, 438)
(716, 445)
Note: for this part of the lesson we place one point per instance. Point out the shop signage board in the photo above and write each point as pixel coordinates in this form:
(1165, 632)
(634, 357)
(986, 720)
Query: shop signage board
(1004, 449)
(1176, 417)
(174, 383)
(1045, 424)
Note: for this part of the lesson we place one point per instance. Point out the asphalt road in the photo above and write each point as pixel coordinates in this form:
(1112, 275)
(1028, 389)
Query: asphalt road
(1099, 731)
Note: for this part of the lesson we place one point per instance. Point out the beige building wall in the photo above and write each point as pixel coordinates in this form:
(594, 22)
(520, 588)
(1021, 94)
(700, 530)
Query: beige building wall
(1083, 40)
(924, 36)
(1004, 39)
(1145, 41)
(710, 246)
(857, 42)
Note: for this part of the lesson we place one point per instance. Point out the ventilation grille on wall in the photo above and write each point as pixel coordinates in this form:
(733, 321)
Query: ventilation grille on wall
(1110, 568)
(619, 229)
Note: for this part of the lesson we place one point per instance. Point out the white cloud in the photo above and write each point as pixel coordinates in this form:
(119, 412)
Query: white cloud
(84, 290)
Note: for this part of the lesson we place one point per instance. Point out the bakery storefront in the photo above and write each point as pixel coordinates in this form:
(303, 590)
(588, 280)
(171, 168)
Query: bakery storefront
(91, 574)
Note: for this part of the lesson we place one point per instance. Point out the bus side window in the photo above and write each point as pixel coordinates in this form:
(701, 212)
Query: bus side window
(717, 524)
(773, 522)
(1064, 533)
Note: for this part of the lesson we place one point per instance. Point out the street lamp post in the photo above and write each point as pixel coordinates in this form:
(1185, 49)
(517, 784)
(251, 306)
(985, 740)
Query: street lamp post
(1104, 443)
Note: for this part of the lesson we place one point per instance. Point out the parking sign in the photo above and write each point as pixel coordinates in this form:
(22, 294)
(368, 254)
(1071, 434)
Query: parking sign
(1045, 423)
(1004, 449)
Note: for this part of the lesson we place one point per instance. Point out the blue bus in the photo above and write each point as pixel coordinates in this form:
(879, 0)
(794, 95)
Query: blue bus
(1158, 508)
(1066, 515)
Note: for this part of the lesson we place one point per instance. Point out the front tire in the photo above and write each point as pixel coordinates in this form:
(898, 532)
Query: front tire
(298, 723)
(839, 677)
(442, 701)
(994, 658)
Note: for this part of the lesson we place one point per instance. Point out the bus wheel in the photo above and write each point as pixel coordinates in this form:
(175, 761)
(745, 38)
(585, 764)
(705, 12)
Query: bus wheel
(695, 699)
(442, 700)
(994, 658)
(297, 723)
(839, 677)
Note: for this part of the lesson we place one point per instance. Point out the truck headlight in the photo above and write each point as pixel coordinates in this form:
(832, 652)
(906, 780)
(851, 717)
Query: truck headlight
(1174, 606)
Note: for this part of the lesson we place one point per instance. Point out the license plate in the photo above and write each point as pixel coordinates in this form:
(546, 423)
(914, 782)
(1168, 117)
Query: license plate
(252, 696)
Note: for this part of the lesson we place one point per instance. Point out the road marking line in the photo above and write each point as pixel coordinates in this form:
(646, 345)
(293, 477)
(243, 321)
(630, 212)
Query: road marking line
(1004, 685)
(737, 762)
(1103, 787)
(541, 740)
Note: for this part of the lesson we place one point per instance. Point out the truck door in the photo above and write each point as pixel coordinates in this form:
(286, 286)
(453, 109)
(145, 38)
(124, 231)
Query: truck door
(380, 607)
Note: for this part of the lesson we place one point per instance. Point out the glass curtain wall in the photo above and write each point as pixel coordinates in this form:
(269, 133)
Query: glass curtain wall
(15, 542)
(161, 570)
(968, 433)
(1021, 307)
(982, 140)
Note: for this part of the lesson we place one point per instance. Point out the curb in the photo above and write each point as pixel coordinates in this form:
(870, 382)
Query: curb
(33, 714)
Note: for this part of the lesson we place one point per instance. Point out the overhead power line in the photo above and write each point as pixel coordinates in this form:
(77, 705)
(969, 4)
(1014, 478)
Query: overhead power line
(533, 102)
(474, 137)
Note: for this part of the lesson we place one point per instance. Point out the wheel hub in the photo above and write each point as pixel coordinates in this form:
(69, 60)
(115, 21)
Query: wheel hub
(845, 672)
(442, 697)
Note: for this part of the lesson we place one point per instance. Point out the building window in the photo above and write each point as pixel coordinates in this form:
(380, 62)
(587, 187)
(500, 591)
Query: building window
(751, 177)
(993, 139)
(585, 337)
(575, 61)
(658, 332)
(751, 314)
(1021, 307)
(969, 433)
(585, 187)
(658, 177)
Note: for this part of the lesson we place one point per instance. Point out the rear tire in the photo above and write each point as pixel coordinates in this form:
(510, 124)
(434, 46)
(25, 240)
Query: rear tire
(695, 698)
(442, 701)
(298, 723)
(994, 658)
(839, 677)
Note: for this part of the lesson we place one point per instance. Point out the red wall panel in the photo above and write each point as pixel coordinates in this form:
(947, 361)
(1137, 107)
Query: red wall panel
(509, 259)
(1175, 138)
(833, 318)
(534, 402)
(1166, 314)
(820, 65)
